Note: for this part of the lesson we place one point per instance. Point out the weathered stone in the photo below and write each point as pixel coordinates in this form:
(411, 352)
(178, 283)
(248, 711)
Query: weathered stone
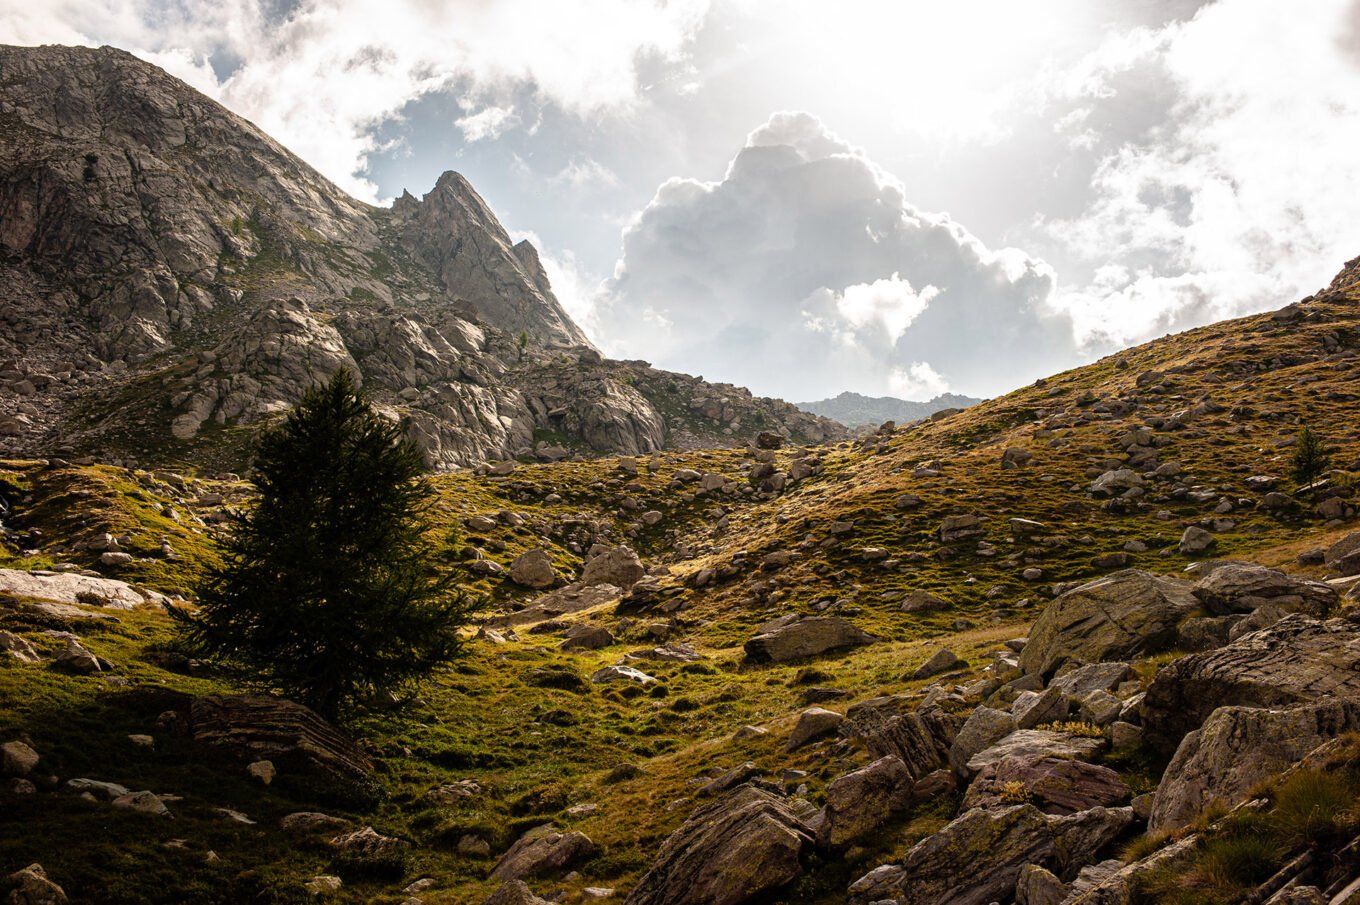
(1129, 613)
(1236, 749)
(587, 637)
(1196, 540)
(621, 674)
(31, 886)
(617, 566)
(310, 823)
(1055, 785)
(1079, 682)
(1038, 886)
(737, 849)
(142, 802)
(18, 647)
(921, 739)
(860, 801)
(813, 724)
(984, 727)
(514, 892)
(74, 588)
(17, 759)
(1032, 708)
(74, 658)
(807, 637)
(1297, 660)
(537, 853)
(533, 569)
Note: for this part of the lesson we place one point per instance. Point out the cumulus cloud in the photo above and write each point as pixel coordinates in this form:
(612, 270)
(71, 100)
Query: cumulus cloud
(321, 75)
(804, 271)
(1240, 194)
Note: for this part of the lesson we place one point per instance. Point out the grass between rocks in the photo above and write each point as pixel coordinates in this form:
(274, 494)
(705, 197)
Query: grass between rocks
(523, 719)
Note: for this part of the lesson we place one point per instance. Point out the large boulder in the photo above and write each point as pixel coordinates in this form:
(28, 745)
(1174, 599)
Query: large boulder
(542, 851)
(1055, 785)
(289, 735)
(1295, 661)
(1034, 743)
(533, 569)
(74, 588)
(806, 637)
(617, 566)
(1240, 587)
(1126, 614)
(737, 849)
(813, 723)
(1236, 749)
(984, 728)
(860, 801)
(31, 886)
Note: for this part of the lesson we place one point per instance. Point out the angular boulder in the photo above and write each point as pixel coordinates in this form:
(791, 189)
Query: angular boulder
(921, 739)
(812, 724)
(533, 569)
(860, 801)
(1297, 660)
(984, 727)
(1236, 749)
(745, 845)
(1126, 614)
(617, 566)
(806, 637)
(1034, 743)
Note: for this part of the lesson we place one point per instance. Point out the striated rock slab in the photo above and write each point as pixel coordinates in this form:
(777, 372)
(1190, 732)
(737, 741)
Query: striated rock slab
(542, 852)
(737, 849)
(289, 735)
(1297, 660)
(74, 588)
(921, 739)
(1055, 785)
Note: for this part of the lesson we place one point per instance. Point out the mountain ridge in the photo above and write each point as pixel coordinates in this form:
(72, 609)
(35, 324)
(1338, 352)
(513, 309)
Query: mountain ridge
(858, 411)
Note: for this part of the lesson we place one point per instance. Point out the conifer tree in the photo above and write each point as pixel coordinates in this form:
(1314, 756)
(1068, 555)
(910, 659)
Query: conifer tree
(327, 591)
(1311, 458)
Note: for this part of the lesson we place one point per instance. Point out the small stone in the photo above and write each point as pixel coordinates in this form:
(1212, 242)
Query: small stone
(18, 759)
(324, 885)
(262, 771)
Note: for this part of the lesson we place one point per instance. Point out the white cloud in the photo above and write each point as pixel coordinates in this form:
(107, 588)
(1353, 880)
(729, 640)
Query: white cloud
(585, 173)
(797, 275)
(487, 123)
(1241, 195)
(918, 381)
(322, 77)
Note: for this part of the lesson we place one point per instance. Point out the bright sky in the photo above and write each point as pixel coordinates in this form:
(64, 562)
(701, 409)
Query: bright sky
(804, 197)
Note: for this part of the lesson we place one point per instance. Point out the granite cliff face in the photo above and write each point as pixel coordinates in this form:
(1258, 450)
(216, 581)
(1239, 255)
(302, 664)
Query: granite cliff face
(171, 277)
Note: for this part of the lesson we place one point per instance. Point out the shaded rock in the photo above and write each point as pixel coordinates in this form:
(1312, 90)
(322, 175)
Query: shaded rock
(572, 598)
(1081, 682)
(812, 724)
(1033, 708)
(31, 886)
(1079, 838)
(737, 849)
(17, 759)
(74, 658)
(959, 527)
(730, 779)
(1038, 886)
(860, 801)
(537, 853)
(514, 892)
(306, 823)
(1115, 482)
(1238, 587)
(1126, 614)
(1205, 632)
(923, 602)
(533, 569)
(1236, 749)
(18, 647)
(942, 660)
(1055, 785)
(142, 802)
(587, 637)
(807, 637)
(1297, 660)
(287, 734)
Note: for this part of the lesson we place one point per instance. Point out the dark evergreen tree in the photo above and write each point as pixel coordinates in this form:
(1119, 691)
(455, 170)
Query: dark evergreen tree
(327, 591)
(1311, 458)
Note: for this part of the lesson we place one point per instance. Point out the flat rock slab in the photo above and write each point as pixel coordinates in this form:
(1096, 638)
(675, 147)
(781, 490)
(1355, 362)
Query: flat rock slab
(1297, 660)
(1055, 785)
(74, 588)
(1036, 742)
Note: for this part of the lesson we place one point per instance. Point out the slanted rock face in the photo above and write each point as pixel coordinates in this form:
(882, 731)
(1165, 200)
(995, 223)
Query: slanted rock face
(807, 637)
(734, 850)
(921, 739)
(858, 802)
(1297, 660)
(1056, 785)
(538, 853)
(291, 736)
(1236, 749)
(1130, 613)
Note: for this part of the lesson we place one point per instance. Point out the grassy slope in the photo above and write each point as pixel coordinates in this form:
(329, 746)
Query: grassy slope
(537, 751)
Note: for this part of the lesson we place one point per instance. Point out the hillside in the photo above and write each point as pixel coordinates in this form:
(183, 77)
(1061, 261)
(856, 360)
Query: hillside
(171, 278)
(958, 532)
(858, 411)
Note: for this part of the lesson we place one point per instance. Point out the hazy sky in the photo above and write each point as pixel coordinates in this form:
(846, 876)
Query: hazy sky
(805, 197)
